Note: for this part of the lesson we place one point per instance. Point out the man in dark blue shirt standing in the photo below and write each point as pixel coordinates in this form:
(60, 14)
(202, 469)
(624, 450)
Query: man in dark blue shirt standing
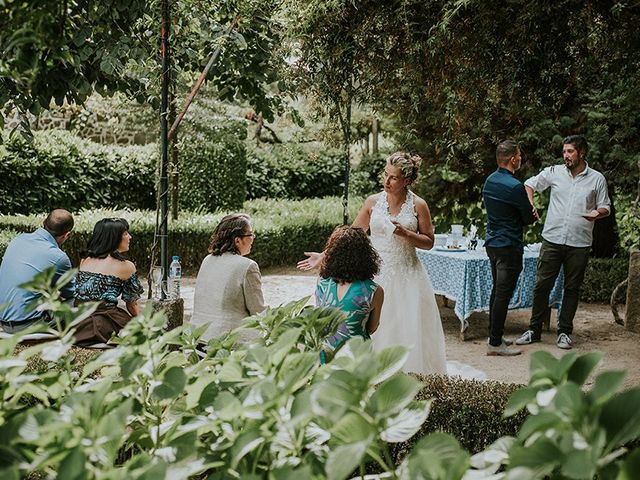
(508, 211)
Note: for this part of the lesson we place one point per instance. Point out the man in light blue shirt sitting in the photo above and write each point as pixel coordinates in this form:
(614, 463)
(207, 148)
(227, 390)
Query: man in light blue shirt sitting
(26, 256)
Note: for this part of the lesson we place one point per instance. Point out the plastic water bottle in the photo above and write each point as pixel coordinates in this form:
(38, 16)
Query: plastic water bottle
(175, 277)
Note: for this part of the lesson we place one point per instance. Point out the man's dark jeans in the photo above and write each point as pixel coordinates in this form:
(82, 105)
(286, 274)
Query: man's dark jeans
(574, 262)
(506, 265)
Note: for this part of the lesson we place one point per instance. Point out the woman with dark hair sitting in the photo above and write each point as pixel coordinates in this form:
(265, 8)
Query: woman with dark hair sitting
(229, 285)
(346, 282)
(104, 276)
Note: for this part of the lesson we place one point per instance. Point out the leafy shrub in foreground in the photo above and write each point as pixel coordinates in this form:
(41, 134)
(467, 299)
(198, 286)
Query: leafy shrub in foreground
(264, 410)
(270, 410)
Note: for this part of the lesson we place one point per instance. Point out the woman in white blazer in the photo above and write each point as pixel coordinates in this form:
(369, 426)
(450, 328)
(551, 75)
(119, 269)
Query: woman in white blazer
(228, 286)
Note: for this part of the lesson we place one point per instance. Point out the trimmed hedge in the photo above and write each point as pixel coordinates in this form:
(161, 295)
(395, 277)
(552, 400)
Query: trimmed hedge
(285, 229)
(59, 169)
(293, 171)
(470, 410)
(213, 167)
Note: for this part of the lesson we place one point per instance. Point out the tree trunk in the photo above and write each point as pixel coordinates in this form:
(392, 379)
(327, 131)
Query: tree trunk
(632, 317)
(374, 136)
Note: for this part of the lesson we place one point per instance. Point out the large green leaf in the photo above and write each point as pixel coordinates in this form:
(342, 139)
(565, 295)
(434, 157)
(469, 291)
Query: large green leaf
(173, 382)
(538, 423)
(195, 389)
(492, 457)
(389, 361)
(579, 464)
(344, 459)
(570, 400)
(406, 423)
(394, 394)
(606, 386)
(72, 466)
(227, 406)
(352, 428)
(583, 367)
(620, 417)
(437, 456)
(281, 348)
(520, 399)
(541, 456)
(332, 397)
(245, 443)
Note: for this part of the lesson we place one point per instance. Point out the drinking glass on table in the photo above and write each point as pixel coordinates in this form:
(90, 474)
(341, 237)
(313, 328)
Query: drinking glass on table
(157, 280)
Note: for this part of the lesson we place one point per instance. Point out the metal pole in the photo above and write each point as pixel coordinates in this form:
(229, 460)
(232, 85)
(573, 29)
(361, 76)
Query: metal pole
(198, 84)
(164, 142)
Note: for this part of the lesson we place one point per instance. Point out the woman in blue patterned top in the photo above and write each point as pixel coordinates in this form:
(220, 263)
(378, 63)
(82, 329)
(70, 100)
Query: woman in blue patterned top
(104, 276)
(346, 282)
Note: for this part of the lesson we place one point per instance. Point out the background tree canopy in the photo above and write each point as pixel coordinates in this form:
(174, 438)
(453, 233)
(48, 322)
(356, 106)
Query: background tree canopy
(66, 50)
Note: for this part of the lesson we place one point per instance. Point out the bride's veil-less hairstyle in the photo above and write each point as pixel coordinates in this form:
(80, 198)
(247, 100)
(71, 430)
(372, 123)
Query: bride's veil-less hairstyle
(225, 233)
(407, 163)
(106, 237)
(349, 256)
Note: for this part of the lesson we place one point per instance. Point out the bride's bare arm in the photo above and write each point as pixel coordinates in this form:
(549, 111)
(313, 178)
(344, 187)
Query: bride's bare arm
(424, 237)
(314, 259)
(364, 215)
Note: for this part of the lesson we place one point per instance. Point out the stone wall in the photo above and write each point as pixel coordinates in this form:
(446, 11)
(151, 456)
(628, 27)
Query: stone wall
(106, 121)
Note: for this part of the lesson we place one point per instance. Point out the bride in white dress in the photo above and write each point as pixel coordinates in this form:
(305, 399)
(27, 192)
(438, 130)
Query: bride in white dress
(399, 222)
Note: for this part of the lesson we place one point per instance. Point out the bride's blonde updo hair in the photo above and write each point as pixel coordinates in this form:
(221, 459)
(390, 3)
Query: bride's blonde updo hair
(407, 163)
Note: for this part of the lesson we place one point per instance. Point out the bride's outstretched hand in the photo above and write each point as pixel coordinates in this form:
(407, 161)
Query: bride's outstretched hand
(312, 261)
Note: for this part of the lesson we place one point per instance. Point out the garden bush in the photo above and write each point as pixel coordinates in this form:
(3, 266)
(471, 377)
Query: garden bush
(470, 410)
(601, 277)
(294, 171)
(285, 230)
(213, 166)
(59, 169)
(628, 218)
(366, 178)
(152, 408)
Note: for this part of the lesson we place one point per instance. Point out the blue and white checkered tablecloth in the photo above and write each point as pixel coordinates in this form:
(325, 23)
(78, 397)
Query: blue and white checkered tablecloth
(465, 277)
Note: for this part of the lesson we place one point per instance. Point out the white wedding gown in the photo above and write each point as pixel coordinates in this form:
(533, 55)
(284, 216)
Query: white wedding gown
(410, 315)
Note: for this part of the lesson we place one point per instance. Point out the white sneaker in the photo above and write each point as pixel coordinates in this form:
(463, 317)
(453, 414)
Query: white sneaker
(564, 342)
(527, 338)
(508, 343)
(503, 350)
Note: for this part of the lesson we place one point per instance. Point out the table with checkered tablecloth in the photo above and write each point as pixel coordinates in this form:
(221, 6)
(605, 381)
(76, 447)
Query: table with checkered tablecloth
(465, 277)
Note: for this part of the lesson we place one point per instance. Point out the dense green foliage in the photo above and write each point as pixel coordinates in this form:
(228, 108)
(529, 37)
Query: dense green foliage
(294, 172)
(59, 169)
(54, 51)
(152, 408)
(628, 220)
(470, 410)
(601, 277)
(213, 168)
(457, 76)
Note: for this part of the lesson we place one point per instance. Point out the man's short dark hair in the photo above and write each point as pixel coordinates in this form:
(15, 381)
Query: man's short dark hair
(58, 222)
(506, 150)
(577, 141)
